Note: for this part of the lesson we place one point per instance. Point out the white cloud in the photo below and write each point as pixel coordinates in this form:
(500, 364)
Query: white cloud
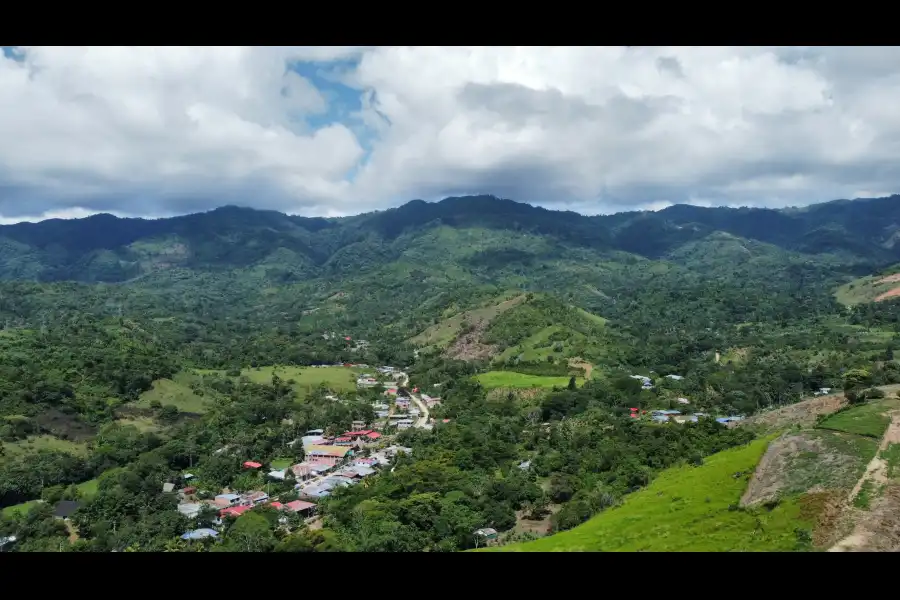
(167, 130)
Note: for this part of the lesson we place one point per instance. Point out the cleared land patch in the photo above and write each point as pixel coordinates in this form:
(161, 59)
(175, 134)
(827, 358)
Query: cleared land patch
(691, 509)
(443, 333)
(509, 379)
(42, 442)
(809, 461)
(872, 288)
(305, 379)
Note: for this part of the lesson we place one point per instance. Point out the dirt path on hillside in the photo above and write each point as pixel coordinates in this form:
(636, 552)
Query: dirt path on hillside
(880, 521)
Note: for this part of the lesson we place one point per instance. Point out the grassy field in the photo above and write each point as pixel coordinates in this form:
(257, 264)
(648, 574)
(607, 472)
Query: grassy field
(442, 333)
(688, 509)
(867, 419)
(143, 424)
(282, 463)
(508, 379)
(42, 442)
(306, 379)
(175, 391)
(591, 316)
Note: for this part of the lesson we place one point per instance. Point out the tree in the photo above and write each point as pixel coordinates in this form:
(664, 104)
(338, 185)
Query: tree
(572, 384)
(251, 532)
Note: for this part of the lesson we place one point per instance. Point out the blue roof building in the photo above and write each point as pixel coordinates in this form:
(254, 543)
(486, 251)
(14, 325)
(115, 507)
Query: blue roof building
(200, 534)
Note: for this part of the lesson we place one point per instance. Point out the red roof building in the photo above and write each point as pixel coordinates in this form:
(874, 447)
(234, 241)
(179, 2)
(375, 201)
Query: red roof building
(277, 505)
(373, 435)
(234, 511)
(356, 434)
(299, 506)
(252, 465)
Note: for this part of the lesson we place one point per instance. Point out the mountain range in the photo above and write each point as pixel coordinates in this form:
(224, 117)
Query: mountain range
(104, 248)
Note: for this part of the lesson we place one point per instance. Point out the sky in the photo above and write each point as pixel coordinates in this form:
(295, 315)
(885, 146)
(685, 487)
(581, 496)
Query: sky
(329, 131)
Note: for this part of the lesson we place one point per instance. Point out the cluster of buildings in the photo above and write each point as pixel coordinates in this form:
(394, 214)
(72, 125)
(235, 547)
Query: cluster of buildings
(349, 472)
(647, 382)
(675, 416)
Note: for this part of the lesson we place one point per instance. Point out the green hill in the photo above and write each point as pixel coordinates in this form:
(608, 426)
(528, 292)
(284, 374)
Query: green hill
(690, 508)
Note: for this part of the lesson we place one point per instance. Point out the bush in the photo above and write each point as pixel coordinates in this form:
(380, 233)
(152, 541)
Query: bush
(874, 394)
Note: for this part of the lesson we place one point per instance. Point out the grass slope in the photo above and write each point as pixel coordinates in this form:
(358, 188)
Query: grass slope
(687, 509)
(176, 391)
(306, 379)
(869, 419)
(508, 379)
(42, 442)
(867, 289)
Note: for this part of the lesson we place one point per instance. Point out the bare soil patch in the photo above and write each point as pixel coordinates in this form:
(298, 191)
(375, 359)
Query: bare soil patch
(802, 413)
(537, 526)
(579, 363)
(825, 510)
(889, 279)
(469, 346)
(877, 530)
(889, 294)
(812, 461)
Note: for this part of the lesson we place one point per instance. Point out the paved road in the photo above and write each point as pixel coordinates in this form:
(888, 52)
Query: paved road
(423, 416)
(423, 410)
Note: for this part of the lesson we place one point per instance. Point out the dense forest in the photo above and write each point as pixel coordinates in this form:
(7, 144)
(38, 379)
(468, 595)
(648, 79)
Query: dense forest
(739, 304)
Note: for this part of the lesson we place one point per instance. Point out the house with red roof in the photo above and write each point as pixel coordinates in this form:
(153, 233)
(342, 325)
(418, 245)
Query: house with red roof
(299, 506)
(252, 465)
(234, 511)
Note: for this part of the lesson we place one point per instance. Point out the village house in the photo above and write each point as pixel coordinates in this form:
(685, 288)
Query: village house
(252, 465)
(254, 498)
(234, 511)
(328, 454)
(299, 506)
(226, 500)
(190, 510)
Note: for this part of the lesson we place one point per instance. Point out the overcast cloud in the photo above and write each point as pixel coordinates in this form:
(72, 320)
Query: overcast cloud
(342, 130)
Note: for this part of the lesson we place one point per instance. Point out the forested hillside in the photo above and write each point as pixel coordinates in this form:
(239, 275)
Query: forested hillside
(133, 350)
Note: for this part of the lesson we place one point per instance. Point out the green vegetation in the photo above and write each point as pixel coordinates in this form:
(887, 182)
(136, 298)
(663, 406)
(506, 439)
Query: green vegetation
(499, 379)
(303, 379)
(42, 442)
(863, 498)
(688, 508)
(891, 455)
(176, 392)
(868, 419)
(134, 354)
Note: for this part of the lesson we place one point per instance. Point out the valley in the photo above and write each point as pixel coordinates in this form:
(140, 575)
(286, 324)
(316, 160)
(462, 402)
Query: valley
(452, 375)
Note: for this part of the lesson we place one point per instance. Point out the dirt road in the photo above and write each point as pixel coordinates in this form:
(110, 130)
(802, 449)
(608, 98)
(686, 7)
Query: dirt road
(877, 474)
